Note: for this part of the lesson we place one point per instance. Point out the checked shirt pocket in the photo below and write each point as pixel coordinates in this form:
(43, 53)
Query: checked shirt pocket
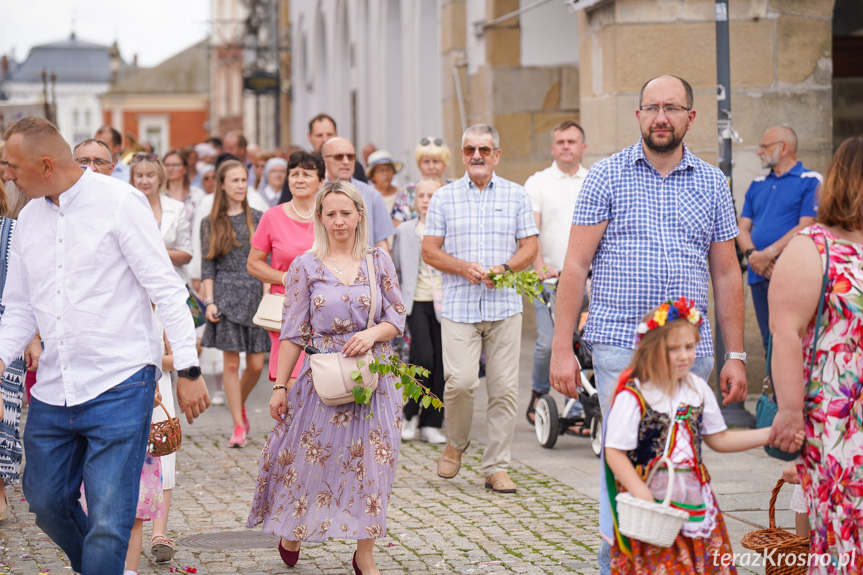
(694, 215)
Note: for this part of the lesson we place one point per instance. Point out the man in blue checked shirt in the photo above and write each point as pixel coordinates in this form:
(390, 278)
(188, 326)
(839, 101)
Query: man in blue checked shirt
(476, 224)
(656, 223)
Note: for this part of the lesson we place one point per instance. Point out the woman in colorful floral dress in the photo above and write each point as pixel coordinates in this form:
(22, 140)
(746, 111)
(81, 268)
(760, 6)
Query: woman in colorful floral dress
(828, 402)
(327, 471)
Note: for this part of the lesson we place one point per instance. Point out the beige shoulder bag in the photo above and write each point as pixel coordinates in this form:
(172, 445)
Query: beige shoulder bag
(331, 372)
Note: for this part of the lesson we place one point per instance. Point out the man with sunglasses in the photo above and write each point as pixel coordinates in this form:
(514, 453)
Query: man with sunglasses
(85, 263)
(322, 128)
(475, 225)
(94, 154)
(777, 206)
(340, 158)
(657, 223)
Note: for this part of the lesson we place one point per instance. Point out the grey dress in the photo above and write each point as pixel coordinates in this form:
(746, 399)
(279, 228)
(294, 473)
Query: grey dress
(235, 292)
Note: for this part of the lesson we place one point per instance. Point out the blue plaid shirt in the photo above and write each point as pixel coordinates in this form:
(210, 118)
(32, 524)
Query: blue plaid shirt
(656, 243)
(483, 227)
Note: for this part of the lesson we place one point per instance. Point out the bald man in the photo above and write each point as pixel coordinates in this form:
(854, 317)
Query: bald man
(777, 206)
(340, 158)
(86, 261)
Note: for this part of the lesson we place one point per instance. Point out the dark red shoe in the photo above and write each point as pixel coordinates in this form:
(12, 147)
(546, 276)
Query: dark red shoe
(289, 557)
(356, 567)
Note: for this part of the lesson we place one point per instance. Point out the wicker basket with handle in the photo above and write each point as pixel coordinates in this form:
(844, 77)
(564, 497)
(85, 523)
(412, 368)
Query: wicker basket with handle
(783, 542)
(654, 523)
(165, 436)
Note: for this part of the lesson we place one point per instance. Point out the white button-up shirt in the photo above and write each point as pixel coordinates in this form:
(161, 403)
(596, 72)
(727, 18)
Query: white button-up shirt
(552, 194)
(83, 274)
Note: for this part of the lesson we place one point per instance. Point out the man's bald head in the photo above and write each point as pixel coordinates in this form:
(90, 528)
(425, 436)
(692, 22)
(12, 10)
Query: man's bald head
(339, 158)
(783, 134)
(38, 159)
(39, 137)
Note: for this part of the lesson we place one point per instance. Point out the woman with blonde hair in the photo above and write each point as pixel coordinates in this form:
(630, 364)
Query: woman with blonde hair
(432, 156)
(327, 471)
(148, 175)
(230, 293)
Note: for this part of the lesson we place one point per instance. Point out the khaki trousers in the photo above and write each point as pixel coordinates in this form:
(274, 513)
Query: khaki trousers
(462, 345)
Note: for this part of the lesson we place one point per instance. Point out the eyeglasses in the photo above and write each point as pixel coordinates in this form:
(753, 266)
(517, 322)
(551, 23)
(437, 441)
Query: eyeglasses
(340, 157)
(669, 109)
(765, 146)
(484, 151)
(426, 142)
(98, 162)
(141, 156)
(174, 165)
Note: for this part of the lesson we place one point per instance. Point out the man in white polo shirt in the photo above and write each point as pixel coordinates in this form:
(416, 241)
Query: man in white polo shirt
(552, 193)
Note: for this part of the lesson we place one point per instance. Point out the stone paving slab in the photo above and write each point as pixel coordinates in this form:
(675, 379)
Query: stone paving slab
(434, 525)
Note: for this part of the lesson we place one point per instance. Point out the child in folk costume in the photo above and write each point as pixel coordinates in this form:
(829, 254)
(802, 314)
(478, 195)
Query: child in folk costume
(660, 408)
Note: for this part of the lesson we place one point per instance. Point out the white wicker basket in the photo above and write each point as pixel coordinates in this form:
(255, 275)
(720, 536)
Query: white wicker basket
(653, 523)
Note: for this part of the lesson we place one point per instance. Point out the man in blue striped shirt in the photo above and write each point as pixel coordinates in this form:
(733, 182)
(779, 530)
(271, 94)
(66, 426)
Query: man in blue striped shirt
(656, 223)
(476, 224)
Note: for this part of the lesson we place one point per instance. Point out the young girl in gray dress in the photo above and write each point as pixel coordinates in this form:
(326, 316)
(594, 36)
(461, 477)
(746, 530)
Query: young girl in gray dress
(231, 294)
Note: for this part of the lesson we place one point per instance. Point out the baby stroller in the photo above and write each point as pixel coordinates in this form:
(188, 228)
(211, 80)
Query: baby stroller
(551, 423)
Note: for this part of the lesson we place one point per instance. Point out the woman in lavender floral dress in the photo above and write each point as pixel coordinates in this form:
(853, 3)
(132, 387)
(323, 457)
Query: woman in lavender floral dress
(327, 471)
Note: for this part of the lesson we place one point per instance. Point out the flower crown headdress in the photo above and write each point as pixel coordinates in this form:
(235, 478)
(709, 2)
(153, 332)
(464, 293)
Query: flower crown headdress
(670, 311)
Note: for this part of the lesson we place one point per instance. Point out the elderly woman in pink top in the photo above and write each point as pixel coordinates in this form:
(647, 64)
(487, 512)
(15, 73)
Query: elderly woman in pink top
(285, 232)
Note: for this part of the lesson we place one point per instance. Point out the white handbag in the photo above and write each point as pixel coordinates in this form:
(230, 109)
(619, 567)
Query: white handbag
(331, 372)
(269, 314)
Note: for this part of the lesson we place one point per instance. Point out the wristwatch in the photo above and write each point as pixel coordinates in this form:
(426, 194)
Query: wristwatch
(741, 355)
(506, 267)
(193, 372)
(748, 252)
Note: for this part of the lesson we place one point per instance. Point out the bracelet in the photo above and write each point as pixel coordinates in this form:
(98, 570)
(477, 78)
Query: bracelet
(209, 303)
(284, 278)
(278, 386)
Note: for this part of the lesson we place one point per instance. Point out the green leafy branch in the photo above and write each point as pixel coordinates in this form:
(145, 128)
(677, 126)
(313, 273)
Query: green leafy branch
(406, 380)
(525, 282)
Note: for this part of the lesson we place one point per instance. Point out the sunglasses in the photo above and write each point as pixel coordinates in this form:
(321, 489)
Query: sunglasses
(340, 157)
(141, 156)
(484, 151)
(426, 142)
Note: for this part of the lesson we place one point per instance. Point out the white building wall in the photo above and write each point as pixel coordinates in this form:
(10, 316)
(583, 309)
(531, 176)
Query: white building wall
(79, 111)
(387, 53)
(549, 34)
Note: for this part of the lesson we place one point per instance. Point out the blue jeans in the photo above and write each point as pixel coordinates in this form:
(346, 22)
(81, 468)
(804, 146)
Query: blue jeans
(101, 442)
(608, 363)
(759, 301)
(542, 352)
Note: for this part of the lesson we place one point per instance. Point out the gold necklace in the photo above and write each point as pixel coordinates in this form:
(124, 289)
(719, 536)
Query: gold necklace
(301, 216)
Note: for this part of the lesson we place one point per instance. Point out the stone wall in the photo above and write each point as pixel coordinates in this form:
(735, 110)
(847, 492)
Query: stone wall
(522, 103)
(780, 73)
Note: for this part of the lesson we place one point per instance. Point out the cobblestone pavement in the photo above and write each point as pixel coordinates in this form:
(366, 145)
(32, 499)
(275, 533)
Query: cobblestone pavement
(434, 525)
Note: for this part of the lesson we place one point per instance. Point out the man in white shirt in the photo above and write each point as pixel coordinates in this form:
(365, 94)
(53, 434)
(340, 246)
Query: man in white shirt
(552, 193)
(85, 264)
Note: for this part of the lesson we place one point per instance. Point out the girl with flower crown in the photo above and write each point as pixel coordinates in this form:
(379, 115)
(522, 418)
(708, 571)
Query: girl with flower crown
(662, 409)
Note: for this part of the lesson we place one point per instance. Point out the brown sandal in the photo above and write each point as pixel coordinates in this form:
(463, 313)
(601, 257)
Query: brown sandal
(162, 548)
